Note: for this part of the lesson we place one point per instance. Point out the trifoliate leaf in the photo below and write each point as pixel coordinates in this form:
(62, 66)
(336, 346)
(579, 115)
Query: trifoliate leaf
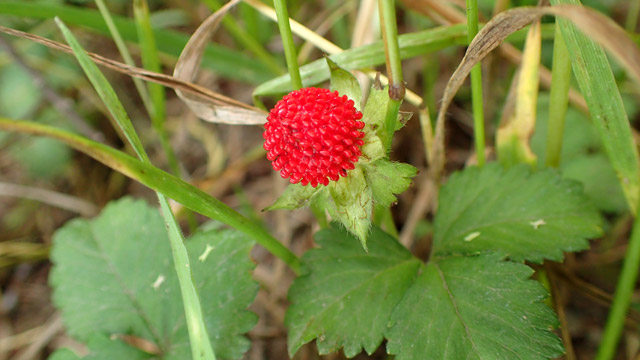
(524, 215)
(294, 196)
(115, 275)
(345, 83)
(353, 203)
(387, 178)
(474, 308)
(346, 297)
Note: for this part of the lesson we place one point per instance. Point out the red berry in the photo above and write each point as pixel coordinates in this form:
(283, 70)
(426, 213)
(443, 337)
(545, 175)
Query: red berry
(313, 135)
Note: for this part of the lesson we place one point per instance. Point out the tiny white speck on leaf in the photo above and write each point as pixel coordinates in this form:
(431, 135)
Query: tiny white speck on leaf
(536, 224)
(472, 236)
(206, 252)
(156, 284)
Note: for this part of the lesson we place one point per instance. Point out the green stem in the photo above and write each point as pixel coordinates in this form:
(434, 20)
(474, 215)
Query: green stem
(559, 101)
(392, 48)
(476, 85)
(287, 42)
(394, 68)
(248, 41)
(622, 297)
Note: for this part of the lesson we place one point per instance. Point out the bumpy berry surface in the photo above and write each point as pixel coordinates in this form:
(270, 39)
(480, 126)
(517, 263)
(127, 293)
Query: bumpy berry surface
(313, 135)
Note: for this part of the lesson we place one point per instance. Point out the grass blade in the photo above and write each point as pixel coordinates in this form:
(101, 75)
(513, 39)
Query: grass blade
(598, 85)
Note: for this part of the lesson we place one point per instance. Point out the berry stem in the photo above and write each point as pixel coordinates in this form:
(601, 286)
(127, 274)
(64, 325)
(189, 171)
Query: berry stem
(287, 42)
(391, 48)
(394, 67)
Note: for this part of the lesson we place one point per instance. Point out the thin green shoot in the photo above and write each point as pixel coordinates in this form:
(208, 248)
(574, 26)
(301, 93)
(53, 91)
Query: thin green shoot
(622, 297)
(476, 86)
(394, 68)
(560, 83)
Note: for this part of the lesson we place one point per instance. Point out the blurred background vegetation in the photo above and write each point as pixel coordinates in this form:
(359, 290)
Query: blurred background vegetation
(43, 183)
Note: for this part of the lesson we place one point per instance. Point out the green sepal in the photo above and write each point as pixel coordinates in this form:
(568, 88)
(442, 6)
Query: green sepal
(352, 204)
(294, 196)
(345, 83)
(387, 178)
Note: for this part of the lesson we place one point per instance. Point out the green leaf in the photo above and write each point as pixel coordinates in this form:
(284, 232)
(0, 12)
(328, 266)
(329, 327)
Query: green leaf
(474, 308)
(524, 215)
(115, 275)
(347, 295)
(345, 83)
(294, 196)
(102, 347)
(352, 204)
(598, 85)
(387, 178)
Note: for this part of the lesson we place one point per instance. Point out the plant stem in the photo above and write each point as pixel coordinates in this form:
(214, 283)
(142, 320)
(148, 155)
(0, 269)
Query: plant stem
(391, 48)
(387, 11)
(287, 43)
(560, 82)
(476, 85)
(622, 296)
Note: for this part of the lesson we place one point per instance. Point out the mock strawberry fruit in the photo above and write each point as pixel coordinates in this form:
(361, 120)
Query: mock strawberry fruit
(313, 135)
